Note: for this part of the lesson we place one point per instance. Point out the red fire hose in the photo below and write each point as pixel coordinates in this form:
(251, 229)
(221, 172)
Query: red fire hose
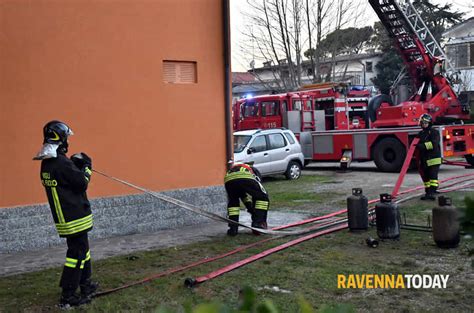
(182, 268)
(190, 282)
(333, 227)
(458, 187)
(441, 181)
(406, 165)
(207, 260)
(455, 163)
(458, 182)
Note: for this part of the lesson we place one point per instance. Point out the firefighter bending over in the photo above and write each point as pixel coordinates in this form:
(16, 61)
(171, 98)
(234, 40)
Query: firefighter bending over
(430, 156)
(65, 181)
(241, 183)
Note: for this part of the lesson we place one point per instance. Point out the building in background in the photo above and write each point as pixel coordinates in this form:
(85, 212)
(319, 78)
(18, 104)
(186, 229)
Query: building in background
(244, 84)
(356, 69)
(460, 51)
(134, 80)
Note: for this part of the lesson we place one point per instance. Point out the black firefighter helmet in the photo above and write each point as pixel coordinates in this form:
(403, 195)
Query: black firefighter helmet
(426, 118)
(57, 132)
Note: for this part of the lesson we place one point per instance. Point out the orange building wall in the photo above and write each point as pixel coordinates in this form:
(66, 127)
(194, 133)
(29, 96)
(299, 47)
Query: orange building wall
(97, 65)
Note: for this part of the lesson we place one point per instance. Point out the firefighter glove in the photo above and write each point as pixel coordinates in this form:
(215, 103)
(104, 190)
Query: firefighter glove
(82, 160)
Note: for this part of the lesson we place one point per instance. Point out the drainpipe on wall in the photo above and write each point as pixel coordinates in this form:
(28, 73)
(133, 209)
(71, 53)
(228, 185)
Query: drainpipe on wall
(227, 83)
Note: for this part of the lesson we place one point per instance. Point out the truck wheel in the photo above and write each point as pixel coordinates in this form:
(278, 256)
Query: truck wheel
(469, 158)
(293, 171)
(389, 155)
(375, 103)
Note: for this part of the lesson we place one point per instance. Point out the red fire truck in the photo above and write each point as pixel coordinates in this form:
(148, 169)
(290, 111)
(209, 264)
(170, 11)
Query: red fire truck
(336, 122)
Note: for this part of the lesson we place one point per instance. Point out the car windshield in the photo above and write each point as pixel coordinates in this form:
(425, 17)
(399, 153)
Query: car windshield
(240, 142)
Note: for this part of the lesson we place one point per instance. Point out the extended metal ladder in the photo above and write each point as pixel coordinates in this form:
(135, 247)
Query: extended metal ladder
(424, 34)
(411, 35)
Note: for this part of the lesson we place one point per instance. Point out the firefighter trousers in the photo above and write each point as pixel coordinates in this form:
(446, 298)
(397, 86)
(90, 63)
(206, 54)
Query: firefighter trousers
(77, 269)
(241, 189)
(429, 175)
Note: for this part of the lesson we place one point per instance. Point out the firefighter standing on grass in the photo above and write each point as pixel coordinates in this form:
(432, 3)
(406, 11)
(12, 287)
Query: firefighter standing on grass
(241, 183)
(65, 181)
(430, 156)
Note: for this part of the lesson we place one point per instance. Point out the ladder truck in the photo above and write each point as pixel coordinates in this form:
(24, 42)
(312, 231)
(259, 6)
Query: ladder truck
(334, 125)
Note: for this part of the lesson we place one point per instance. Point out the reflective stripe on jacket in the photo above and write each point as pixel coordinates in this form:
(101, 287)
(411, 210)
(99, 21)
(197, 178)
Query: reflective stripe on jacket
(238, 172)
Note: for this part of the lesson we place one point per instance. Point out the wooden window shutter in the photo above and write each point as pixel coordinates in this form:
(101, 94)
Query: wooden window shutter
(180, 72)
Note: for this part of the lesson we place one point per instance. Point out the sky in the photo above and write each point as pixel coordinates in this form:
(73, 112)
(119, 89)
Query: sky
(239, 9)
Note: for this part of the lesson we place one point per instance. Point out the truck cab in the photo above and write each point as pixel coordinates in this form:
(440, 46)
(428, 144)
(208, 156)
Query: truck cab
(327, 106)
(268, 111)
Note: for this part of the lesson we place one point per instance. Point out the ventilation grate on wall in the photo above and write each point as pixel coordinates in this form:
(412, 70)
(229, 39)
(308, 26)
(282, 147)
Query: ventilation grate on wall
(179, 72)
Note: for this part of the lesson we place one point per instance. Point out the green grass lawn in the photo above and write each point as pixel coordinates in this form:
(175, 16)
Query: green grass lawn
(307, 271)
(299, 195)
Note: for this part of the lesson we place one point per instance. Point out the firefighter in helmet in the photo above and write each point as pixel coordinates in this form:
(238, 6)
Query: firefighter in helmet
(65, 181)
(429, 156)
(241, 184)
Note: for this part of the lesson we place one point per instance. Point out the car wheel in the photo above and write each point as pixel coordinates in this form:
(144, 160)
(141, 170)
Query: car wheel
(293, 171)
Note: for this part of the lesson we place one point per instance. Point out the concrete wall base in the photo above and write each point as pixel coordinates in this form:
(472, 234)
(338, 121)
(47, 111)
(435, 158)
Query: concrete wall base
(32, 227)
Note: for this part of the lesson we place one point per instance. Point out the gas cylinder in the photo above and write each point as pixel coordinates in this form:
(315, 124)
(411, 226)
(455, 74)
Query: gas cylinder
(357, 211)
(445, 224)
(388, 218)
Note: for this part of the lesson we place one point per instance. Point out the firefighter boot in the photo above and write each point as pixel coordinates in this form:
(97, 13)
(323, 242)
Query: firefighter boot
(259, 220)
(233, 228)
(89, 288)
(69, 299)
(428, 196)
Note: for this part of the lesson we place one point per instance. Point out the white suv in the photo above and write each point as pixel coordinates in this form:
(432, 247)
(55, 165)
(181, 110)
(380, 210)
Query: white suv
(272, 151)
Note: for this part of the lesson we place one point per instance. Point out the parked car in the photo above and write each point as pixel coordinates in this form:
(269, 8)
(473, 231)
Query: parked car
(272, 151)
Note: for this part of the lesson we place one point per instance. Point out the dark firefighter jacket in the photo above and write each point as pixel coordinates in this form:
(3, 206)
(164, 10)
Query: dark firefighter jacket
(66, 187)
(429, 147)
